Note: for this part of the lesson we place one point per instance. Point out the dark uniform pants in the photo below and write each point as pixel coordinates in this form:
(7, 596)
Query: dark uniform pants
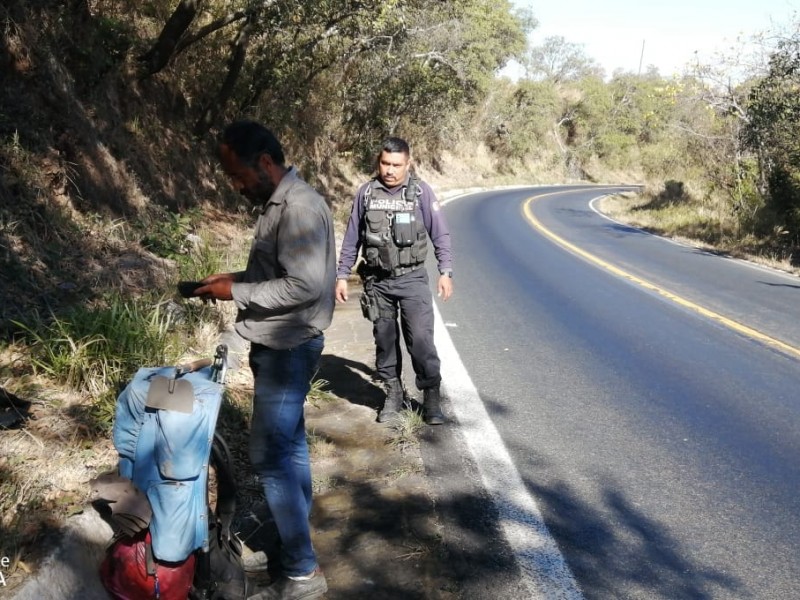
(410, 295)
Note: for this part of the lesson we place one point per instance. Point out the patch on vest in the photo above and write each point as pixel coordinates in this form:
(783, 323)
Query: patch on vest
(393, 204)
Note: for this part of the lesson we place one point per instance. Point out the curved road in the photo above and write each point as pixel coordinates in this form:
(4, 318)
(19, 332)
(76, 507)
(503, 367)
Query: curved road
(657, 437)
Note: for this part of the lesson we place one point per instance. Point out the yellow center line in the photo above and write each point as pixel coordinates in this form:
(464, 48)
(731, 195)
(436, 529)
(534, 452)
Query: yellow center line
(730, 323)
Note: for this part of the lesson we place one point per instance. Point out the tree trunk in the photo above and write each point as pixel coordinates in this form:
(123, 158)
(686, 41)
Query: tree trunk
(187, 41)
(80, 9)
(238, 55)
(162, 51)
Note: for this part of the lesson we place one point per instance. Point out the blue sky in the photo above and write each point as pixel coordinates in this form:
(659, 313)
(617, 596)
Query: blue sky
(613, 32)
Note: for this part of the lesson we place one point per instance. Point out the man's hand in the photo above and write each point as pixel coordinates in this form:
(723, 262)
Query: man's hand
(219, 276)
(445, 287)
(341, 290)
(217, 287)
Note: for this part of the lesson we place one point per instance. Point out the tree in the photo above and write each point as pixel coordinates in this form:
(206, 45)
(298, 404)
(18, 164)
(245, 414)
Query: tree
(395, 61)
(175, 28)
(772, 131)
(558, 60)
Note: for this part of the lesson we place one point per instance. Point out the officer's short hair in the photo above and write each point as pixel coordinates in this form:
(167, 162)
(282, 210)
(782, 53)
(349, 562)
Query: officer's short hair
(249, 140)
(395, 144)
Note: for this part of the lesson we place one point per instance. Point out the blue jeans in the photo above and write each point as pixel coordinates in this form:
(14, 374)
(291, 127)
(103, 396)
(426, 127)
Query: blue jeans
(278, 449)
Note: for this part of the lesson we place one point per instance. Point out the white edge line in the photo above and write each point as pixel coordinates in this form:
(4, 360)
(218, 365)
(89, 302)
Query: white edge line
(545, 572)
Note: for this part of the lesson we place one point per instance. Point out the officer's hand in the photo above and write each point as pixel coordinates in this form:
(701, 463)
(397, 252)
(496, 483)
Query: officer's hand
(216, 288)
(445, 287)
(341, 290)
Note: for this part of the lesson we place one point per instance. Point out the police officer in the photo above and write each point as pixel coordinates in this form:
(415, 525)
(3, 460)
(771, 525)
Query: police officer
(393, 217)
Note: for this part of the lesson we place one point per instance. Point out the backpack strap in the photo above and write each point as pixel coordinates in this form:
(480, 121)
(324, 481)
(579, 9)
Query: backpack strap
(226, 484)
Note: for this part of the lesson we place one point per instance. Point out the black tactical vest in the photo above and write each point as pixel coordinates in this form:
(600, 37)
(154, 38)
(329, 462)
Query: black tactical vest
(395, 240)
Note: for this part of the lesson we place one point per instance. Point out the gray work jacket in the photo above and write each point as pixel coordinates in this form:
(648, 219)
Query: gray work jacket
(285, 296)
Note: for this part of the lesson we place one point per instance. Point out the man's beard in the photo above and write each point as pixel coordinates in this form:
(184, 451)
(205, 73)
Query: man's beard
(262, 190)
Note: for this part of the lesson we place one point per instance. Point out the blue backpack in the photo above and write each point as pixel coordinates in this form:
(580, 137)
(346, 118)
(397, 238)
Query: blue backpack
(165, 434)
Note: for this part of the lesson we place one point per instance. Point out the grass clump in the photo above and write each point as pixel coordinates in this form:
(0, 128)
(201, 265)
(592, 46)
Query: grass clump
(91, 344)
(319, 394)
(405, 429)
(677, 213)
(93, 350)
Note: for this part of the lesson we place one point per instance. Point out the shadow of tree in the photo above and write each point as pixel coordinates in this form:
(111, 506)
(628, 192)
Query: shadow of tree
(788, 285)
(614, 545)
(613, 548)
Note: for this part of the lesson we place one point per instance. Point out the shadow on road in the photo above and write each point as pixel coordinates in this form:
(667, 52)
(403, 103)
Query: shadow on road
(613, 548)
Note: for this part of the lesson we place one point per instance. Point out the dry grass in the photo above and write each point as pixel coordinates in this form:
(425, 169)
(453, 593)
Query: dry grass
(405, 430)
(320, 448)
(697, 224)
(473, 165)
(44, 468)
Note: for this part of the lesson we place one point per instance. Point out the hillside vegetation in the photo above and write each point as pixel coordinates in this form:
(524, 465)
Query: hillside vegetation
(109, 111)
(110, 191)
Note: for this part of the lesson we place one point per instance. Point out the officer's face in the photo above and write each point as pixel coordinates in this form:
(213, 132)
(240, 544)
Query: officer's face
(393, 168)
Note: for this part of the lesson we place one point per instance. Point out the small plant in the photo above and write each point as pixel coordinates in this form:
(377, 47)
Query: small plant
(202, 259)
(405, 429)
(166, 232)
(318, 393)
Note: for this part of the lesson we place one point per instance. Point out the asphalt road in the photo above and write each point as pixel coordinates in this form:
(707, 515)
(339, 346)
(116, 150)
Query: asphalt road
(656, 436)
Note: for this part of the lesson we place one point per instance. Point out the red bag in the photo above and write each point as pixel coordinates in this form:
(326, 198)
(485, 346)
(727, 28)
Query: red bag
(125, 576)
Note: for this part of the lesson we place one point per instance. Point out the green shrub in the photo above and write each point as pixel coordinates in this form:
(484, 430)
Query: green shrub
(91, 349)
(166, 232)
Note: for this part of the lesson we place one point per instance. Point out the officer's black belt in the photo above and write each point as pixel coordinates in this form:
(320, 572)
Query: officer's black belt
(404, 270)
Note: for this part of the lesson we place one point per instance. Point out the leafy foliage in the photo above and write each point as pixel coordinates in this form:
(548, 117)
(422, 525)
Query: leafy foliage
(773, 131)
(559, 60)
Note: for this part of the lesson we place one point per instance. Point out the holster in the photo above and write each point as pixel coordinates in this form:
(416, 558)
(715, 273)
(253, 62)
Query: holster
(369, 307)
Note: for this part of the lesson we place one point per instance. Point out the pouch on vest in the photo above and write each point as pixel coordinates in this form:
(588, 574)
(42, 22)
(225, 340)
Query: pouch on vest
(375, 232)
(404, 229)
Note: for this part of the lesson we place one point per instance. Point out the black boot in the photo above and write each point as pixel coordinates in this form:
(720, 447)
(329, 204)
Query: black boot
(393, 402)
(432, 401)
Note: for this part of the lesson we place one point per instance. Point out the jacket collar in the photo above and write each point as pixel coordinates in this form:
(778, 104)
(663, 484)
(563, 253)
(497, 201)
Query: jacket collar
(279, 195)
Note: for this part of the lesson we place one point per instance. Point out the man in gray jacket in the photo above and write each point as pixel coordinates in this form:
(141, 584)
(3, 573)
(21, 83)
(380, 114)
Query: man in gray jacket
(285, 301)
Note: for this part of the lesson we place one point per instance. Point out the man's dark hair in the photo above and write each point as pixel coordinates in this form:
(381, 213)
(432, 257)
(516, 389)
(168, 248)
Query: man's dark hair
(249, 140)
(395, 144)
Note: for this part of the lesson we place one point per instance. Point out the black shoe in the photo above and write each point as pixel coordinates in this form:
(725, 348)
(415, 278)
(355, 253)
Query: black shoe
(432, 402)
(292, 589)
(394, 401)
